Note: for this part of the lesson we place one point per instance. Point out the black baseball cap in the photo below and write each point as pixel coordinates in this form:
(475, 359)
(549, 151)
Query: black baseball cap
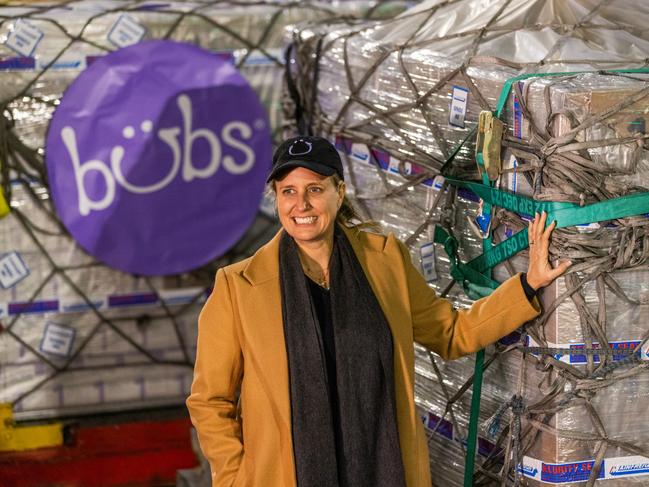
(311, 152)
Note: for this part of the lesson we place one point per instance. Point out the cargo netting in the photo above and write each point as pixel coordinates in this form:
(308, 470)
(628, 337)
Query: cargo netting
(77, 336)
(565, 400)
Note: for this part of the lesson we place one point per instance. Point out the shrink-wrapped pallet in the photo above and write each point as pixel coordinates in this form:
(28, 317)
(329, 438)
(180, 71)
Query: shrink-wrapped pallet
(411, 90)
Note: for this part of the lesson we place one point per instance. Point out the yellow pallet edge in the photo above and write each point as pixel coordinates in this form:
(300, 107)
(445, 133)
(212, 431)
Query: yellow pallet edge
(21, 438)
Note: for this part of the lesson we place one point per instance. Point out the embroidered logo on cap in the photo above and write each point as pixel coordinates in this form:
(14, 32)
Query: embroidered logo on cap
(309, 146)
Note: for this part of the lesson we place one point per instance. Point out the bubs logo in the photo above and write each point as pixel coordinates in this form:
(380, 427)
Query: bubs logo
(157, 157)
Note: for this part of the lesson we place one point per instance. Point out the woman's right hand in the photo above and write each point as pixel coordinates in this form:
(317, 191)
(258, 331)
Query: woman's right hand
(540, 271)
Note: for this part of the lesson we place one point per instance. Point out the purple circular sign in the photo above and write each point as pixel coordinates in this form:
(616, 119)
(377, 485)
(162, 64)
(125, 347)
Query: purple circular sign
(157, 157)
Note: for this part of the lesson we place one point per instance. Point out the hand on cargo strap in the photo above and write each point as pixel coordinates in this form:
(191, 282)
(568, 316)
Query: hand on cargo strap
(540, 271)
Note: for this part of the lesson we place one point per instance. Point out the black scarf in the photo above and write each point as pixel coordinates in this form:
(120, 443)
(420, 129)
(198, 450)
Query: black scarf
(358, 445)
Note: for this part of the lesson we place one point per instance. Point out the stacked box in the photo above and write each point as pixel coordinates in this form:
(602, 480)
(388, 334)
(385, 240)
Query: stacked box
(620, 405)
(412, 89)
(107, 332)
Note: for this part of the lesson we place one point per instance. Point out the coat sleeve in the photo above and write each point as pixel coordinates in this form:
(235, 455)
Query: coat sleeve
(218, 372)
(453, 333)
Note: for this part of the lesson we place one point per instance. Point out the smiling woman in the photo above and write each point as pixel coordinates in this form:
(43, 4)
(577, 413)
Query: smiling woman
(307, 206)
(316, 330)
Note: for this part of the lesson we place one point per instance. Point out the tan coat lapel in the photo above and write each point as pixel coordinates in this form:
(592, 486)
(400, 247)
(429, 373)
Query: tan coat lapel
(263, 331)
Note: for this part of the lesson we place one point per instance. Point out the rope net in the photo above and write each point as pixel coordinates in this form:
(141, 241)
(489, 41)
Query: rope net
(564, 400)
(77, 336)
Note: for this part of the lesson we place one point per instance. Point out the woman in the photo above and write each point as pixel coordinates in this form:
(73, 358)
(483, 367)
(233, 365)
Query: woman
(316, 330)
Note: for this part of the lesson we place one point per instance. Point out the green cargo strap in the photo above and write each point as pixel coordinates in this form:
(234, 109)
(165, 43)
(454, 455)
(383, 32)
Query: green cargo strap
(475, 284)
(510, 201)
(565, 214)
(472, 438)
(501, 252)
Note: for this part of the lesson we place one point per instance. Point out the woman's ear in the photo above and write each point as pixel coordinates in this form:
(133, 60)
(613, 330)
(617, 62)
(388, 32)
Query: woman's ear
(341, 193)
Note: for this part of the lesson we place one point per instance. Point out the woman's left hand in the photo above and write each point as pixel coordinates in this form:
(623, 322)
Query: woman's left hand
(540, 272)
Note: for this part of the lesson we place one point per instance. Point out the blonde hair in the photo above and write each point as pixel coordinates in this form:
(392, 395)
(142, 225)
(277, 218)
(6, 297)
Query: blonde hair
(348, 216)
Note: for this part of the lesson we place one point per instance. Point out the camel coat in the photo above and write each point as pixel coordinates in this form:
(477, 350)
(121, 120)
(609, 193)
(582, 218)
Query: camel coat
(241, 348)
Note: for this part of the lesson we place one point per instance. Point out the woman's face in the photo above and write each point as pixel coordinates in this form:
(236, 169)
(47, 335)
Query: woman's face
(307, 204)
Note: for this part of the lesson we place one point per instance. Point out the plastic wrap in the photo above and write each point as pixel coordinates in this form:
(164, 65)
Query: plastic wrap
(404, 95)
(76, 335)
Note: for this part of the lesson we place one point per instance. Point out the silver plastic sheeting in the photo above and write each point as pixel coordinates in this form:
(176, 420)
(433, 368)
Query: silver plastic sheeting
(402, 98)
(394, 80)
(78, 336)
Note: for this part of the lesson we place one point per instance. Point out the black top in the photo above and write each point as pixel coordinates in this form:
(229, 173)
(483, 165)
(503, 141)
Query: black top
(322, 304)
(529, 290)
(321, 298)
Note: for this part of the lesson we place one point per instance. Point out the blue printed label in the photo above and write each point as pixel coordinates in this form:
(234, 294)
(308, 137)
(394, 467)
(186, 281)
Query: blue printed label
(17, 63)
(563, 473)
(12, 270)
(627, 467)
(459, 102)
(439, 425)
(370, 155)
(120, 300)
(24, 38)
(24, 307)
(530, 468)
(568, 472)
(126, 31)
(624, 345)
(57, 339)
(571, 357)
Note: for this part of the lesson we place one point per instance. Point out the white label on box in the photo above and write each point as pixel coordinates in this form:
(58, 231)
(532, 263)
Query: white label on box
(173, 297)
(587, 227)
(531, 468)
(57, 339)
(626, 467)
(24, 38)
(77, 305)
(427, 252)
(459, 103)
(360, 152)
(394, 166)
(126, 31)
(438, 182)
(12, 270)
(512, 177)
